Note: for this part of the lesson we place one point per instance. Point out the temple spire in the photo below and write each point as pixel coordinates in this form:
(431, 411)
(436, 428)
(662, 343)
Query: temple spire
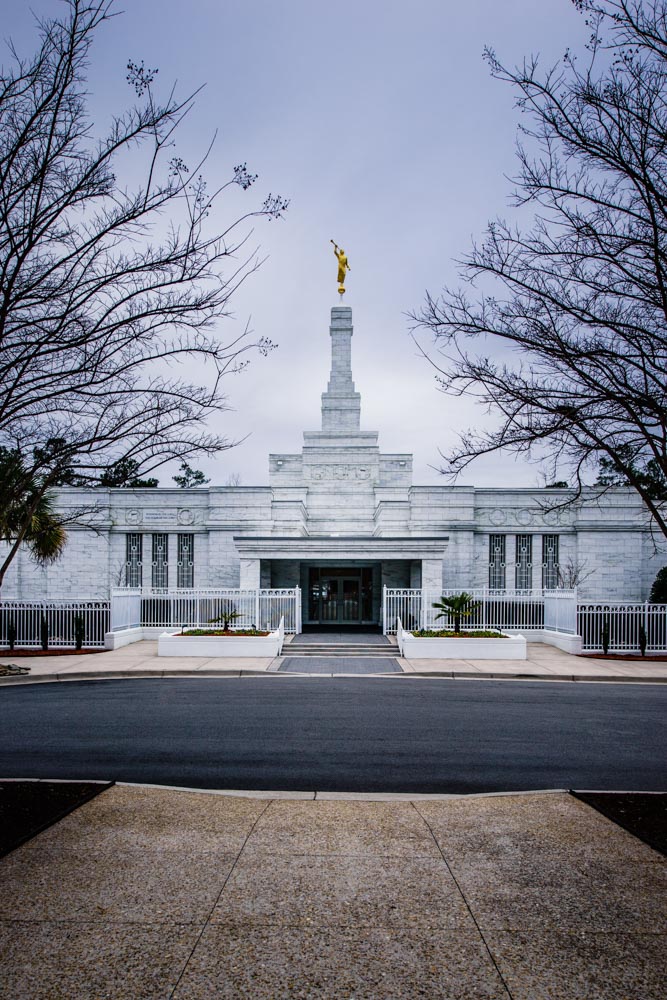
(341, 405)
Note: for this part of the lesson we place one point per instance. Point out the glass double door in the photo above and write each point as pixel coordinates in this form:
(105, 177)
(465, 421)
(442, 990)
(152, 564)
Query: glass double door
(339, 600)
(340, 595)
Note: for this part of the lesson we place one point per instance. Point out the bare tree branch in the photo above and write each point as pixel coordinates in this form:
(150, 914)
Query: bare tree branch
(578, 299)
(105, 291)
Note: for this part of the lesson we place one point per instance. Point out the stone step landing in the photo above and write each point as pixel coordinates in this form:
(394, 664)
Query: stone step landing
(340, 649)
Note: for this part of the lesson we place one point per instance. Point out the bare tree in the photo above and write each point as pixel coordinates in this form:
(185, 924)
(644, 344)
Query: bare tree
(573, 572)
(103, 290)
(579, 297)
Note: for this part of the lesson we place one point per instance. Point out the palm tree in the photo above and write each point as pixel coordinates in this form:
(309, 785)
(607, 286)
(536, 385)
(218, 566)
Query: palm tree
(457, 606)
(27, 512)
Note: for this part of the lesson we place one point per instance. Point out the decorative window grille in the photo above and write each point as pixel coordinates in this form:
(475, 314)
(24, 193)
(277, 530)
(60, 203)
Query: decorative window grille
(160, 563)
(133, 560)
(524, 562)
(549, 562)
(497, 562)
(186, 561)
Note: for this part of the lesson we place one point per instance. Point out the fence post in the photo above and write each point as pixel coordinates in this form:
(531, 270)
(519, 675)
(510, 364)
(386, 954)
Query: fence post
(423, 609)
(384, 609)
(257, 621)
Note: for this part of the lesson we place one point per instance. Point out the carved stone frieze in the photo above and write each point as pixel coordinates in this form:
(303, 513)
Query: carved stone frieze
(520, 517)
(339, 472)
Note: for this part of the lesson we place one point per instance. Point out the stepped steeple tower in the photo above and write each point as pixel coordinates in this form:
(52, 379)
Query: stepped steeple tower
(341, 404)
(340, 462)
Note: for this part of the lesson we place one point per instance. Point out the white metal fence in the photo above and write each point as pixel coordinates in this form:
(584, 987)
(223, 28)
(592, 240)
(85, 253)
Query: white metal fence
(125, 608)
(169, 609)
(524, 610)
(53, 624)
(29, 624)
(628, 626)
(560, 611)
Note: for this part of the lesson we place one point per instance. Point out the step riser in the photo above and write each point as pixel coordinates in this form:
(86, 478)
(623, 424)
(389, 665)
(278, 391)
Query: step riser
(337, 651)
(344, 650)
(341, 645)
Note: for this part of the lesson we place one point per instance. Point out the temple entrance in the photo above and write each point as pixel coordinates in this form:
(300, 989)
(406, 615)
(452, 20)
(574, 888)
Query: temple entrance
(340, 600)
(340, 595)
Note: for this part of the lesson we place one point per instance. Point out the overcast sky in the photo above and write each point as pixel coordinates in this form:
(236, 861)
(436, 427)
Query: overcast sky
(381, 123)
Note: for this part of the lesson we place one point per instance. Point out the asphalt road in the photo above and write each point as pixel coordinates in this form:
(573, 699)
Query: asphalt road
(333, 734)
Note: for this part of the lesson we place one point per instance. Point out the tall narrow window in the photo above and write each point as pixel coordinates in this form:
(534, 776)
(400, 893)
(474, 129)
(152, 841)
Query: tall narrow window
(549, 562)
(497, 562)
(524, 562)
(133, 560)
(185, 575)
(160, 562)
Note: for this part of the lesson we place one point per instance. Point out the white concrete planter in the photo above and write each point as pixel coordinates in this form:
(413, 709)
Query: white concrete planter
(511, 647)
(563, 640)
(173, 644)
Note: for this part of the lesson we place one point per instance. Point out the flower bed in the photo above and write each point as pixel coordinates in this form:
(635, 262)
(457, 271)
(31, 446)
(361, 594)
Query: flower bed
(218, 642)
(448, 634)
(234, 633)
(469, 645)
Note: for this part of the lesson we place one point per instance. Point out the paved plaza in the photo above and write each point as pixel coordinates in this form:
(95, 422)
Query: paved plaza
(157, 893)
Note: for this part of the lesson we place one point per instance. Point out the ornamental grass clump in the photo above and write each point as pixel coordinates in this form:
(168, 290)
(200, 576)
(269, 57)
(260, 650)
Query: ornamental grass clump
(456, 606)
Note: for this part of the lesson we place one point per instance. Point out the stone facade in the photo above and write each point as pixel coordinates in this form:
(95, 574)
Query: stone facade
(340, 510)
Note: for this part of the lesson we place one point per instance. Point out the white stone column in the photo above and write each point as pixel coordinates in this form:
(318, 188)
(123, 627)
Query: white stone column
(172, 559)
(250, 574)
(510, 561)
(147, 559)
(432, 574)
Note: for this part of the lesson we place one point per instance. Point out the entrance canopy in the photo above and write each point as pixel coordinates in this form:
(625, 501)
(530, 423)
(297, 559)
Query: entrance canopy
(341, 577)
(341, 547)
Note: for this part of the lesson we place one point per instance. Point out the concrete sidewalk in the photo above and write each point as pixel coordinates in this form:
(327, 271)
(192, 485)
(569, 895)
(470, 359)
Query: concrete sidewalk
(156, 893)
(141, 660)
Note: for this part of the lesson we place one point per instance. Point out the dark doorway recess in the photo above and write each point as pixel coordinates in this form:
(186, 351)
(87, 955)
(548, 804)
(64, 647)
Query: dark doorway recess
(340, 596)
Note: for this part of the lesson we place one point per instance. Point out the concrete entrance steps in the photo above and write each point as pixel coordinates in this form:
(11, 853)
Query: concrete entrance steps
(339, 650)
(337, 644)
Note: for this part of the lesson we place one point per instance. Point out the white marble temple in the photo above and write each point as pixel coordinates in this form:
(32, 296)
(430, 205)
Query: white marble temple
(340, 518)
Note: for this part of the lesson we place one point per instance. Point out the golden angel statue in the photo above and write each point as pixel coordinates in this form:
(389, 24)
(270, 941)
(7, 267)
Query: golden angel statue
(343, 266)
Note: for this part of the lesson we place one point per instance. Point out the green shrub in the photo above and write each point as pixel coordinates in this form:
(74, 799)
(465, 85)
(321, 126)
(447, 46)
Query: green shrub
(44, 632)
(11, 633)
(227, 617)
(659, 589)
(79, 631)
(456, 606)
